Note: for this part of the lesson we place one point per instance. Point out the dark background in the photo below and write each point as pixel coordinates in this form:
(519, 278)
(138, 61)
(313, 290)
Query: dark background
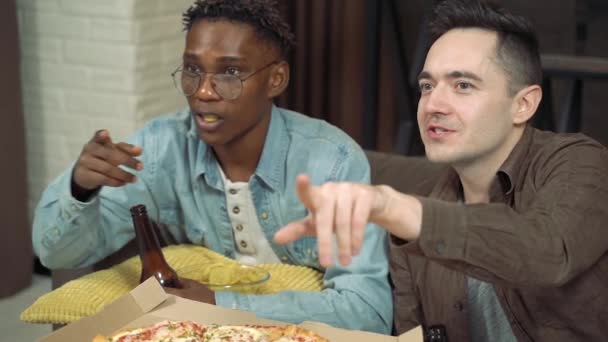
(356, 62)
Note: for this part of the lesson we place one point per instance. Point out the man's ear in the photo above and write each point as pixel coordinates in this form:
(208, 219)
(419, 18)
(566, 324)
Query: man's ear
(526, 103)
(278, 80)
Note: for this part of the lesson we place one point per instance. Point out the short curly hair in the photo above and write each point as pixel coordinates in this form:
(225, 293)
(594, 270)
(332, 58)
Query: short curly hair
(262, 15)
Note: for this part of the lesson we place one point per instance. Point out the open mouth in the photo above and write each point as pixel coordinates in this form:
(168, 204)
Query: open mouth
(208, 121)
(437, 132)
(209, 118)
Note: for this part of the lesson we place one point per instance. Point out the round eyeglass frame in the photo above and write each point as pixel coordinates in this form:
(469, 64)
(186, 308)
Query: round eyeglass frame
(216, 78)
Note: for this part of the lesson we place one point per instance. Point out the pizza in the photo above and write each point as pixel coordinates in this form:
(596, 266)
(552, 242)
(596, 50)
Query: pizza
(189, 331)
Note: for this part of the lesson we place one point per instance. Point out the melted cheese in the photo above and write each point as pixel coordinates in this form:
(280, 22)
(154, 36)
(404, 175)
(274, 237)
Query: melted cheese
(234, 333)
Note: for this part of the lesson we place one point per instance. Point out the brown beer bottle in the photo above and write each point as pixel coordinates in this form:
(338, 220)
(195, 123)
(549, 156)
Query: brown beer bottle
(153, 262)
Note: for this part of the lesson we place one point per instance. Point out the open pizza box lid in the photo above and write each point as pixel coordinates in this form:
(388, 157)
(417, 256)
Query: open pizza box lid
(149, 303)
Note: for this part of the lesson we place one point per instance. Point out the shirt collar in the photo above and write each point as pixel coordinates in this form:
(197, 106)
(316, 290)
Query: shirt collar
(510, 170)
(274, 155)
(272, 160)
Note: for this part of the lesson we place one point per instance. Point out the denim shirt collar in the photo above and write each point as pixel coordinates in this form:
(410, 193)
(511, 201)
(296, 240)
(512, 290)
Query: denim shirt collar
(270, 166)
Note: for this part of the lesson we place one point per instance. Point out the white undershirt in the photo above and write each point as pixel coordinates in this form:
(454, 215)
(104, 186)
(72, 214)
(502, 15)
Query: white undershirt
(252, 247)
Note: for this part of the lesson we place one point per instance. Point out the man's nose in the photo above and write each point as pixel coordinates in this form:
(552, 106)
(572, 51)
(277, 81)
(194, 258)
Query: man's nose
(206, 90)
(436, 101)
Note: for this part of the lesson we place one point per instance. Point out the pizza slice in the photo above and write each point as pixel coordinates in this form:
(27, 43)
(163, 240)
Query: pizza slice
(188, 331)
(175, 331)
(292, 333)
(261, 333)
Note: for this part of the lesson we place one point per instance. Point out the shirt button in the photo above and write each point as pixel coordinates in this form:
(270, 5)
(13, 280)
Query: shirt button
(440, 247)
(458, 306)
(243, 244)
(264, 216)
(236, 210)
(284, 258)
(232, 191)
(56, 232)
(239, 227)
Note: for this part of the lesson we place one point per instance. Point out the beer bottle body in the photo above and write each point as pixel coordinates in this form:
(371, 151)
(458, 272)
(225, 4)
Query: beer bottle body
(153, 262)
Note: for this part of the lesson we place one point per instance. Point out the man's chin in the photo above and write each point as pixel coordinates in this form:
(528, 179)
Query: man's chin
(210, 139)
(441, 157)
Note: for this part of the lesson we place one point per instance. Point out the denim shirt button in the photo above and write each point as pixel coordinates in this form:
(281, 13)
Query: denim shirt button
(232, 191)
(239, 227)
(284, 258)
(236, 210)
(264, 216)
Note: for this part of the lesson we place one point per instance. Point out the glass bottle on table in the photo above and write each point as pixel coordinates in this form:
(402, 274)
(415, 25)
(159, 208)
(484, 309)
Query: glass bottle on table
(436, 333)
(153, 261)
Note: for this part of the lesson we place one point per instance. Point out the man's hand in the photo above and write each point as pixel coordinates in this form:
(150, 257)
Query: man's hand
(345, 209)
(193, 290)
(99, 160)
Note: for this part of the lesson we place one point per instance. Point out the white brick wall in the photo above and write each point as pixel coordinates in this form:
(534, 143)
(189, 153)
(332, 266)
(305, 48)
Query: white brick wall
(91, 64)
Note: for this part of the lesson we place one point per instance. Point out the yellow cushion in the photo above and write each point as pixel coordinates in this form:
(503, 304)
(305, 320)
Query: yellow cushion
(87, 295)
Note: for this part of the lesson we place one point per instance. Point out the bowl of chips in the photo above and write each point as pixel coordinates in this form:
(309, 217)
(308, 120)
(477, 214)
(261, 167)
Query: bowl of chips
(226, 276)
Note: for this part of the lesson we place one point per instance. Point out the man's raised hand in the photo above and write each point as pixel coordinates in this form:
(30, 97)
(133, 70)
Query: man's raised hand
(98, 163)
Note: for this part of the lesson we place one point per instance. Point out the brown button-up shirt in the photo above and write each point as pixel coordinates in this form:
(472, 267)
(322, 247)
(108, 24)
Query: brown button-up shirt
(542, 242)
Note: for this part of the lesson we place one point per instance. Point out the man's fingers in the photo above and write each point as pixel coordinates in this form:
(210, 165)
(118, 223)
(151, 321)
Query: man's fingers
(127, 152)
(305, 191)
(105, 180)
(116, 154)
(108, 170)
(361, 210)
(102, 136)
(111, 154)
(343, 214)
(323, 221)
(129, 148)
(322, 216)
(295, 231)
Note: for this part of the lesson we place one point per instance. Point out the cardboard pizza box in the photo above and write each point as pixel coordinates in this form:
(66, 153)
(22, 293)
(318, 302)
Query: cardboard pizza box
(149, 303)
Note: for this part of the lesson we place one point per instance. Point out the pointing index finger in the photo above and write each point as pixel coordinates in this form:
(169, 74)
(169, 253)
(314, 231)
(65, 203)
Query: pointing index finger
(305, 191)
(102, 136)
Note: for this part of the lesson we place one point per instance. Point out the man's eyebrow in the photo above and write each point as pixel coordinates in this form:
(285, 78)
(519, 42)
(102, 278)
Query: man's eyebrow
(424, 75)
(231, 59)
(454, 74)
(222, 59)
(189, 55)
(464, 74)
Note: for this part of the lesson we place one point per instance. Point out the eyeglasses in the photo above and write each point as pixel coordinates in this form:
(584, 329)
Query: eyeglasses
(227, 86)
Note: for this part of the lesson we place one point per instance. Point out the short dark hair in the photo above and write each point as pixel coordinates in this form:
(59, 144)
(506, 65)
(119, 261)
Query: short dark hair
(516, 46)
(262, 15)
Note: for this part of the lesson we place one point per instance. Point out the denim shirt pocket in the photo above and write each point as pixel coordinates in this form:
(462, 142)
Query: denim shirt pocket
(170, 223)
(303, 251)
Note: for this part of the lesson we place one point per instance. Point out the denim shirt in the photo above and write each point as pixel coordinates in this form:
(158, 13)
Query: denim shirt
(181, 186)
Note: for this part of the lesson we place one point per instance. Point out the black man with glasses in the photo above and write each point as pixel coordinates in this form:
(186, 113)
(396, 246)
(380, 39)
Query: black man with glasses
(222, 174)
